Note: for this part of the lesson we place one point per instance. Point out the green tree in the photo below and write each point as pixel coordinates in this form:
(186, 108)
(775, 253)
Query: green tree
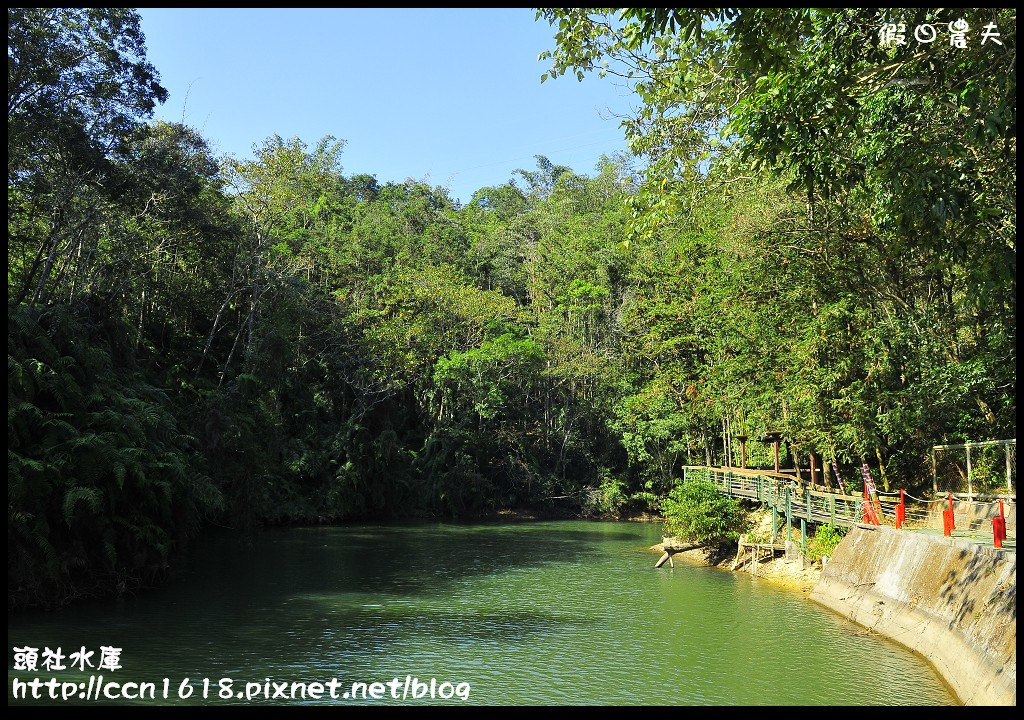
(78, 85)
(888, 277)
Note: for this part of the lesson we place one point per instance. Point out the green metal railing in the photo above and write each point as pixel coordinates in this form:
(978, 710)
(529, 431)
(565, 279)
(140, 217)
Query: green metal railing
(783, 494)
(791, 501)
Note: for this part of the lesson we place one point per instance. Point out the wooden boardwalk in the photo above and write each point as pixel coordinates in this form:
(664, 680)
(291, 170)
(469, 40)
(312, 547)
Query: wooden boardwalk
(784, 494)
(793, 501)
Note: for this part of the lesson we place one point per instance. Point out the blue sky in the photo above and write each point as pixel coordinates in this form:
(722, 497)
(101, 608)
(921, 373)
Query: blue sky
(449, 96)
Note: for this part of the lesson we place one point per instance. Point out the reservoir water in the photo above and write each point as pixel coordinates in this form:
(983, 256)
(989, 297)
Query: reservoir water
(525, 613)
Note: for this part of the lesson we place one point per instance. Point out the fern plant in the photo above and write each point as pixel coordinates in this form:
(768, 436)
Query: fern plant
(100, 491)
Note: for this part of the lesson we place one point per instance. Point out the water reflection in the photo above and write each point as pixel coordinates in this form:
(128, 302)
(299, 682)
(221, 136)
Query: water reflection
(564, 612)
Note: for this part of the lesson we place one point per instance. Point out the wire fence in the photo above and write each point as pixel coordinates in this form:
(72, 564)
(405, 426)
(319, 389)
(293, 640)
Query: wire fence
(975, 469)
(971, 470)
(975, 516)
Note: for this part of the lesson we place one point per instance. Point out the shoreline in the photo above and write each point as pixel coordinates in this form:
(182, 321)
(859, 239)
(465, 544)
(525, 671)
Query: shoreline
(777, 571)
(797, 574)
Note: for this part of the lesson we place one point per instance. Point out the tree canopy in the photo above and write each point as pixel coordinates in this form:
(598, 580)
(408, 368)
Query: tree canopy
(820, 242)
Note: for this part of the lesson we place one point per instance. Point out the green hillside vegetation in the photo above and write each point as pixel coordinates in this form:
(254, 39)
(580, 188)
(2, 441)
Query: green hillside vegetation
(195, 339)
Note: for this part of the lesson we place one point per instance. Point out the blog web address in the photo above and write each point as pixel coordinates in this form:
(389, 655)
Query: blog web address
(101, 689)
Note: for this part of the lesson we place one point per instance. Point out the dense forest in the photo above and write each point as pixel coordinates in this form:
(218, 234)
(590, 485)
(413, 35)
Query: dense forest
(816, 236)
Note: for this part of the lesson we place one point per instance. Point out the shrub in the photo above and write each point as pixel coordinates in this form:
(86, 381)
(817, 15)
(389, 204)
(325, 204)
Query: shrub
(605, 499)
(697, 512)
(824, 542)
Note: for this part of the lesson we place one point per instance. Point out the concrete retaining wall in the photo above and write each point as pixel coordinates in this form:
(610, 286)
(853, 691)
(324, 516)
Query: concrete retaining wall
(953, 602)
(977, 515)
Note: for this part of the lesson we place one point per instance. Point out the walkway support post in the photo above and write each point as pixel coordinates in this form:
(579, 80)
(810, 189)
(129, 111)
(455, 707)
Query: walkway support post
(774, 438)
(1009, 472)
(970, 494)
(789, 513)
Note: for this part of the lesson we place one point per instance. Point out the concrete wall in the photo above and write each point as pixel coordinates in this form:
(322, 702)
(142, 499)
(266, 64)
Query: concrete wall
(977, 515)
(953, 602)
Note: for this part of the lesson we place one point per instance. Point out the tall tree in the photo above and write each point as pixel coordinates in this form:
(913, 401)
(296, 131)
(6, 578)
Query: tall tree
(902, 153)
(78, 84)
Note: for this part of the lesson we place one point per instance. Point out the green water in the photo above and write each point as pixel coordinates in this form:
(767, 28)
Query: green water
(540, 613)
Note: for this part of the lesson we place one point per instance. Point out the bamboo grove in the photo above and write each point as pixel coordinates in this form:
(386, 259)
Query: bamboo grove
(199, 340)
